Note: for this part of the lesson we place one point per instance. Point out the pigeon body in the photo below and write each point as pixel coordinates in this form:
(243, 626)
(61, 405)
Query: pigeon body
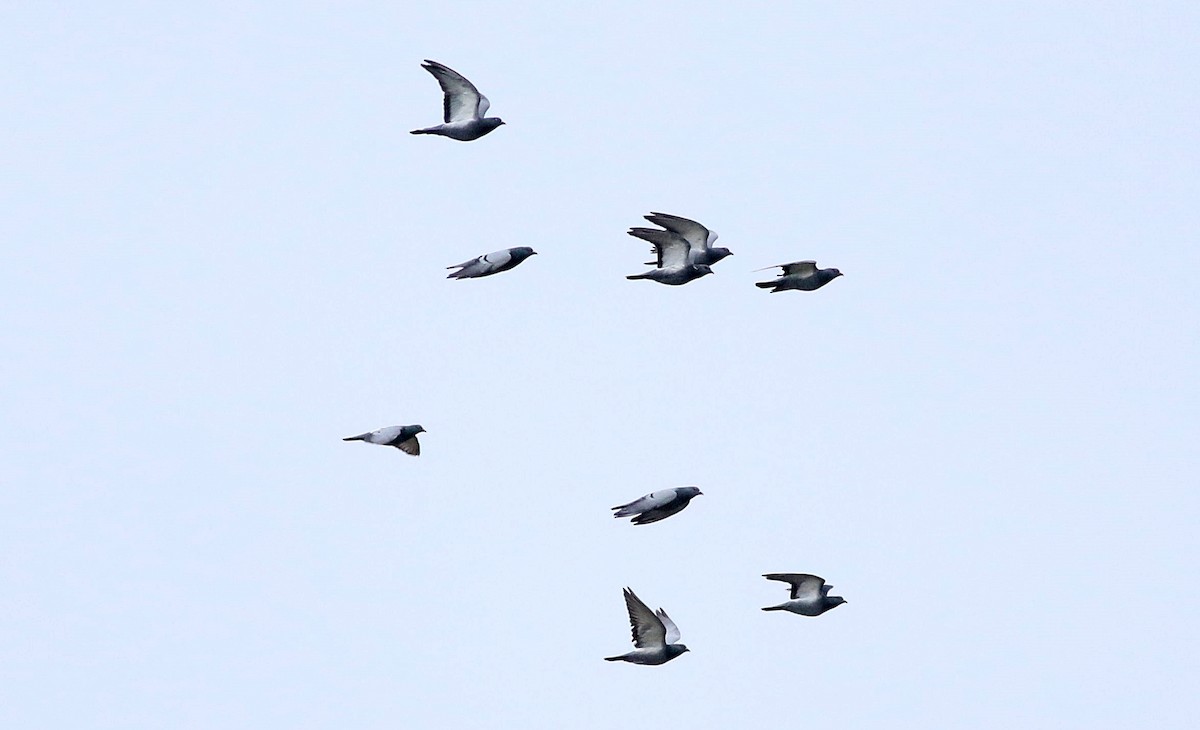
(492, 263)
(402, 437)
(463, 106)
(657, 505)
(803, 275)
(700, 239)
(809, 594)
(674, 266)
(654, 634)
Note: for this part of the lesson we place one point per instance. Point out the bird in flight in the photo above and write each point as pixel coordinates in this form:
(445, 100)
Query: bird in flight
(654, 634)
(491, 263)
(402, 437)
(809, 595)
(700, 240)
(463, 107)
(658, 505)
(802, 275)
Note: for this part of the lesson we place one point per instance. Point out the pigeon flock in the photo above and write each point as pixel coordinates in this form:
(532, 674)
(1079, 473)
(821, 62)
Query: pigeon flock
(683, 252)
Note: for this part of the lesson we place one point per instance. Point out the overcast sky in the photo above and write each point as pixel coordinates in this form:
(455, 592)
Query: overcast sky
(223, 252)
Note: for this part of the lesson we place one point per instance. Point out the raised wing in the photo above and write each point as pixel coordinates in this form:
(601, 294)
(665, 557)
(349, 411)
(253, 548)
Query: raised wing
(803, 584)
(670, 249)
(697, 236)
(669, 625)
(463, 101)
(648, 629)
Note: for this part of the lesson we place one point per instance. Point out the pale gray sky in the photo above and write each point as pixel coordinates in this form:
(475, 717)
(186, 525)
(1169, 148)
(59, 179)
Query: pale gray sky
(224, 252)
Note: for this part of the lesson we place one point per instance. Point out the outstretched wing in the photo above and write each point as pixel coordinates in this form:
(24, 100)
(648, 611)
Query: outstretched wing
(670, 249)
(463, 101)
(648, 630)
(803, 584)
(697, 236)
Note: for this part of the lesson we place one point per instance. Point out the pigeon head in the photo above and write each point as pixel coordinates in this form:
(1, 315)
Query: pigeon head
(835, 601)
(704, 269)
(834, 273)
(688, 492)
(417, 429)
(523, 252)
(491, 123)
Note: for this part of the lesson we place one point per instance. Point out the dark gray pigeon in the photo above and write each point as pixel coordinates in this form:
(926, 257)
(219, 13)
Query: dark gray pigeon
(658, 505)
(654, 634)
(492, 263)
(463, 105)
(802, 275)
(700, 239)
(402, 437)
(809, 595)
(674, 266)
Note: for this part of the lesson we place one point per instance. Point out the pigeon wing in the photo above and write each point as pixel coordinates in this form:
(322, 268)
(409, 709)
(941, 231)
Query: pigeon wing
(800, 268)
(670, 249)
(462, 102)
(697, 236)
(660, 513)
(803, 584)
(648, 629)
(653, 500)
(669, 625)
(796, 268)
(409, 446)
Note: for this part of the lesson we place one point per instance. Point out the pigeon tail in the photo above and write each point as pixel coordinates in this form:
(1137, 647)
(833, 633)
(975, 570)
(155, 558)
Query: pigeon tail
(360, 437)
(422, 131)
(637, 276)
(774, 608)
(612, 658)
(764, 284)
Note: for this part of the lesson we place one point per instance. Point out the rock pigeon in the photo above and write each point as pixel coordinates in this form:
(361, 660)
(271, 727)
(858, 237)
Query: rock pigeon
(799, 275)
(674, 266)
(402, 437)
(492, 263)
(654, 634)
(657, 505)
(464, 106)
(809, 596)
(700, 239)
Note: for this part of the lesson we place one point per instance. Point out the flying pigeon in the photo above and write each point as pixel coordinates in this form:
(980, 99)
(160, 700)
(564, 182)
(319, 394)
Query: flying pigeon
(464, 106)
(654, 634)
(674, 266)
(657, 505)
(700, 239)
(809, 596)
(402, 437)
(799, 275)
(492, 263)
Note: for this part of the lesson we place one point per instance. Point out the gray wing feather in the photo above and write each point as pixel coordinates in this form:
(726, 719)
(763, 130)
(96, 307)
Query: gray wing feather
(462, 100)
